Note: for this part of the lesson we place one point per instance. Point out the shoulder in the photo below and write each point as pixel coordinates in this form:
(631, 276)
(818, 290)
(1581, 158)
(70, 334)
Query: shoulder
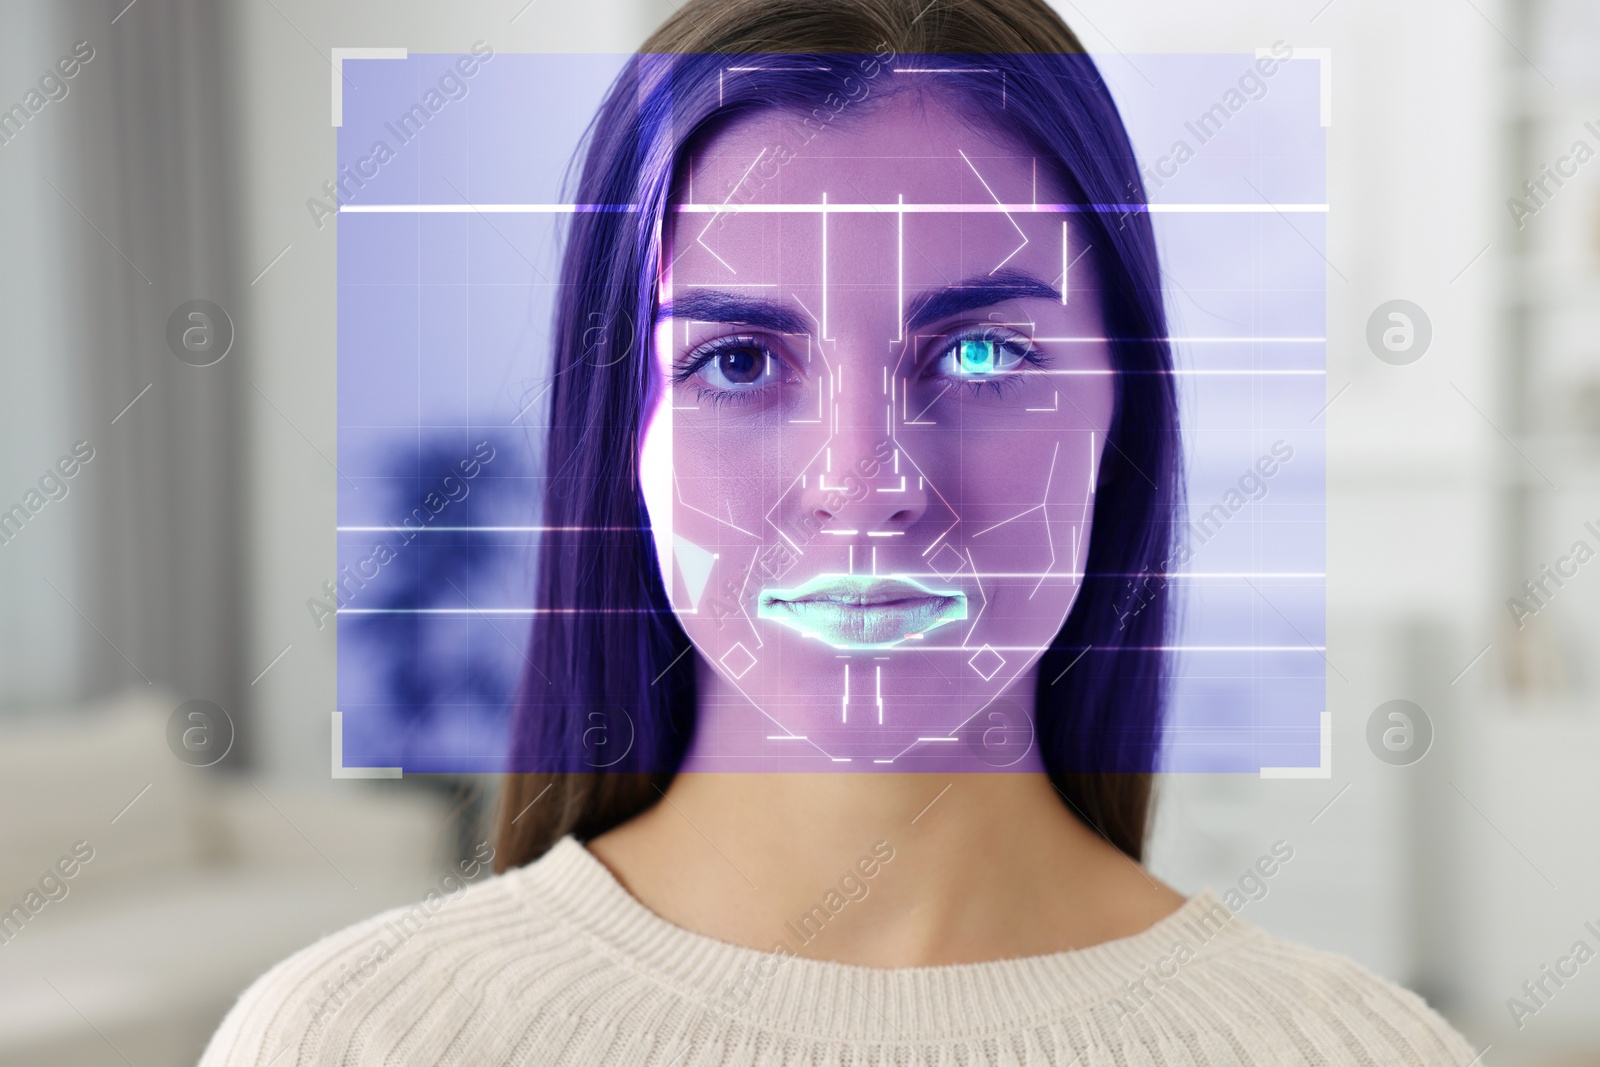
(337, 1000)
(1287, 999)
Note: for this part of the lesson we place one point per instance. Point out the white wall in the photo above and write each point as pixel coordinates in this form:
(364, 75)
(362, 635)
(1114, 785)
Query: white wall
(1464, 873)
(286, 84)
(39, 631)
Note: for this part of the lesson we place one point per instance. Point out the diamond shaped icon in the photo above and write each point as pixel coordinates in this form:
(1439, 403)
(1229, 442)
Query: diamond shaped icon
(946, 562)
(991, 659)
(738, 660)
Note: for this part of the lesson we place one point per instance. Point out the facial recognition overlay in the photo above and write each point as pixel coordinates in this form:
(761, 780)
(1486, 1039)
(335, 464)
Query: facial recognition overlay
(882, 408)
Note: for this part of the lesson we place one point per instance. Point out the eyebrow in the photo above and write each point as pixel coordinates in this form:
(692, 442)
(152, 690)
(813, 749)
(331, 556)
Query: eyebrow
(713, 306)
(934, 304)
(924, 308)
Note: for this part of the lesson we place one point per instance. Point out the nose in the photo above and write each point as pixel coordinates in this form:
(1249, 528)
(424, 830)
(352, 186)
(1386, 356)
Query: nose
(863, 483)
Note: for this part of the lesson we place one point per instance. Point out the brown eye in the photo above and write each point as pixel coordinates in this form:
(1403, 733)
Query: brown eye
(742, 366)
(738, 366)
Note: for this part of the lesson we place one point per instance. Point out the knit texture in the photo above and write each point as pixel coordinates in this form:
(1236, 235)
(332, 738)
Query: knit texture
(556, 964)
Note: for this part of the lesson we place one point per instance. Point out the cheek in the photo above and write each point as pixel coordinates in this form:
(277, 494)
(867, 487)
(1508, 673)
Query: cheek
(1026, 516)
(704, 506)
(686, 552)
(1026, 495)
(655, 485)
(1014, 486)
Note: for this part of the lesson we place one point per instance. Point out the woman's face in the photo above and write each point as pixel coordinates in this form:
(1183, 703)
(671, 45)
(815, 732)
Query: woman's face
(869, 460)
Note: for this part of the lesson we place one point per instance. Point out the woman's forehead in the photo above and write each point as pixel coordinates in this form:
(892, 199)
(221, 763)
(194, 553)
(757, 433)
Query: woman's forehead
(903, 192)
(913, 146)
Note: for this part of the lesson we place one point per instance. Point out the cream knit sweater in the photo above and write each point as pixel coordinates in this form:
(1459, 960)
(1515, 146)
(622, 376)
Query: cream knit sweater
(556, 963)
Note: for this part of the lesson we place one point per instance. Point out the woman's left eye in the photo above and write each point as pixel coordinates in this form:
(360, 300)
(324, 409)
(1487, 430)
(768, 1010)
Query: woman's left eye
(985, 357)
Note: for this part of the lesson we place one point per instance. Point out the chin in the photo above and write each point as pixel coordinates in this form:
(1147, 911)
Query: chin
(809, 705)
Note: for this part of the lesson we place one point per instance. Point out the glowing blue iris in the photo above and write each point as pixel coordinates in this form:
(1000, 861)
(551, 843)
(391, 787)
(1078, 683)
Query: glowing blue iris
(976, 357)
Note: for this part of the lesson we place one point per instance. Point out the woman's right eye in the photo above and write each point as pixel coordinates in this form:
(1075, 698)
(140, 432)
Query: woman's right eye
(731, 366)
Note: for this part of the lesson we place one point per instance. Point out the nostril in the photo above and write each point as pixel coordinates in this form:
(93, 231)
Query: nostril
(901, 516)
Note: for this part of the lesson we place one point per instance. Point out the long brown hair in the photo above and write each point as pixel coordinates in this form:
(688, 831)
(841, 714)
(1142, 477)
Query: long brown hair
(1098, 732)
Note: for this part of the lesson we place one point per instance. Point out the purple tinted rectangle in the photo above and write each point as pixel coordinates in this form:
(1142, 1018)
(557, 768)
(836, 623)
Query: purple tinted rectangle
(444, 320)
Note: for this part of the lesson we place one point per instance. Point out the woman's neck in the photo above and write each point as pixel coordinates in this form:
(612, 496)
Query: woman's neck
(884, 870)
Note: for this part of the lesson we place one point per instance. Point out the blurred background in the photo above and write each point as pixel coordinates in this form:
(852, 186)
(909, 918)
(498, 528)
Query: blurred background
(175, 561)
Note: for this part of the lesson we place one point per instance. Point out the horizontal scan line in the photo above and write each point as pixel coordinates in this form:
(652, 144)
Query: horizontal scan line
(833, 208)
(491, 529)
(1174, 576)
(495, 611)
(458, 208)
(1199, 339)
(1319, 649)
(1180, 371)
(483, 209)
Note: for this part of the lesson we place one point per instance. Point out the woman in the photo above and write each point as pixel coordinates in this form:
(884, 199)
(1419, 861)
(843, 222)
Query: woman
(862, 395)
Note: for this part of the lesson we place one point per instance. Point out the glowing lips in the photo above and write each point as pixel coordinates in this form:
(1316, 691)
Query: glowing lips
(861, 611)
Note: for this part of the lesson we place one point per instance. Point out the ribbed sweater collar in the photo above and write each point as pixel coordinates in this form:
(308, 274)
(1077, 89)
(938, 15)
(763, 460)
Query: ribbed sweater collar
(820, 998)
